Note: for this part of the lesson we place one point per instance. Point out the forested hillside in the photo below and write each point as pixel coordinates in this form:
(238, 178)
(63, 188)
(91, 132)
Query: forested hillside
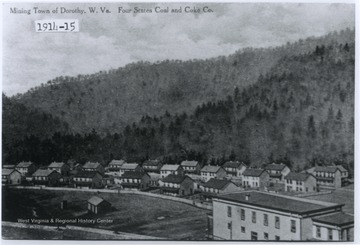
(293, 104)
(19, 122)
(108, 101)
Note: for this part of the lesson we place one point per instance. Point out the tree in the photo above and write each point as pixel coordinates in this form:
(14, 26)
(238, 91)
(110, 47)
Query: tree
(311, 129)
(236, 95)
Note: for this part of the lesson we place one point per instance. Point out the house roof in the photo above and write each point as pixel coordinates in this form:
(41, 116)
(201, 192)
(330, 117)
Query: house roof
(232, 164)
(151, 163)
(130, 166)
(154, 176)
(256, 172)
(6, 171)
(43, 172)
(338, 219)
(170, 167)
(211, 169)
(9, 166)
(24, 164)
(274, 166)
(194, 176)
(330, 169)
(189, 163)
(279, 202)
(133, 174)
(117, 162)
(91, 165)
(173, 178)
(86, 174)
(217, 183)
(56, 164)
(95, 200)
(341, 168)
(297, 176)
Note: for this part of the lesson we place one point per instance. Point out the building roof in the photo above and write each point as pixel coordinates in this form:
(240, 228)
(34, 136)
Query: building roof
(154, 176)
(86, 174)
(95, 200)
(338, 219)
(173, 178)
(91, 165)
(133, 174)
(56, 164)
(189, 163)
(24, 164)
(232, 164)
(129, 166)
(274, 166)
(170, 167)
(256, 172)
(8, 166)
(329, 169)
(279, 202)
(117, 162)
(297, 176)
(6, 171)
(194, 176)
(217, 183)
(42, 172)
(151, 163)
(211, 169)
(341, 168)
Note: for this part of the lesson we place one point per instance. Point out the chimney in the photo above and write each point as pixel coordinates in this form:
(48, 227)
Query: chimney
(247, 197)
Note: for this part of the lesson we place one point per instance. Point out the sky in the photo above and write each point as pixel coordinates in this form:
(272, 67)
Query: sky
(109, 41)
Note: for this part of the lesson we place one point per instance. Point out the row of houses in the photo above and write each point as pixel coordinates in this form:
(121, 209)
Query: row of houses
(57, 173)
(238, 173)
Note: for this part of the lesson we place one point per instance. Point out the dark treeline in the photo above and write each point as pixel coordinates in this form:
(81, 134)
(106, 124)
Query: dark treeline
(300, 112)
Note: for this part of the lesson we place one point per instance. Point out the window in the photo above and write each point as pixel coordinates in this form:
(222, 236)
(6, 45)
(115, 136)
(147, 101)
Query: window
(318, 232)
(293, 226)
(277, 238)
(254, 236)
(277, 222)
(253, 217)
(266, 220)
(307, 189)
(266, 236)
(229, 225)
(330, 234)
(242, 229)
(242, 214)
(229, 211)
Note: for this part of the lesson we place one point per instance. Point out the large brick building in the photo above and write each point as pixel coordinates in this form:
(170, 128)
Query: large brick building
(255, 215)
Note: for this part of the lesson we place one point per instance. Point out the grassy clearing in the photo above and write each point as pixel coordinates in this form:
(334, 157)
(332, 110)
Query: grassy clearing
(341, 196)
(131, 213)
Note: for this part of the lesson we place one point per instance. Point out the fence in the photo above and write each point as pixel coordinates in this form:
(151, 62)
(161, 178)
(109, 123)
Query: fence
(176, 199)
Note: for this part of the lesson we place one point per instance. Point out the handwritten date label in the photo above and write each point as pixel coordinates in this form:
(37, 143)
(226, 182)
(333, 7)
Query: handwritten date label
(57, 25)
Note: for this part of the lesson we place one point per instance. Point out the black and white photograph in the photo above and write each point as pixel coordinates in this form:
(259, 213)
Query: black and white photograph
(179, 121)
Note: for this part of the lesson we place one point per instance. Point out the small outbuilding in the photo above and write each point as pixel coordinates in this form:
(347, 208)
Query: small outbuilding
(98, 205)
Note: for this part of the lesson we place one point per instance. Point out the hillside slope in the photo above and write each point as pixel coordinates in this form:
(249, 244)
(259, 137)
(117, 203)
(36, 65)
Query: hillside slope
(108, 101)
